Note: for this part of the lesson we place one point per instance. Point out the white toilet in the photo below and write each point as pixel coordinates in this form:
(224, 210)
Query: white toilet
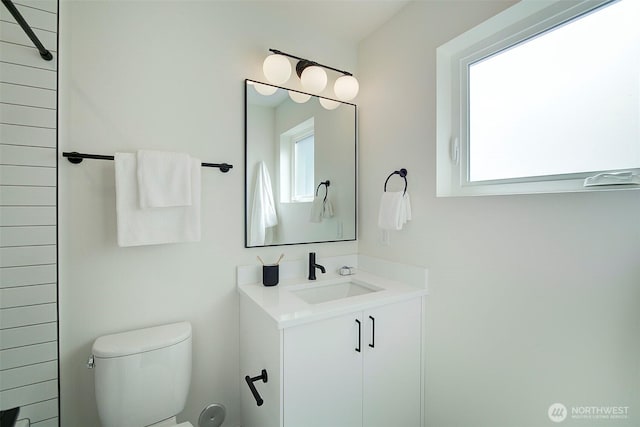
(142, 377)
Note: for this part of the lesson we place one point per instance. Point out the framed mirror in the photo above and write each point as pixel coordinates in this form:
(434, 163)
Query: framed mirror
(300, 167)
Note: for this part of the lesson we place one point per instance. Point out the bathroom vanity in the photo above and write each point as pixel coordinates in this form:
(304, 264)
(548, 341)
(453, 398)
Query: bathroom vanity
(341, 351)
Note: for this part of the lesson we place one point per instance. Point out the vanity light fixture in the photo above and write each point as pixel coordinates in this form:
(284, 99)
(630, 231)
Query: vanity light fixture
(277, 69)
(346, 87)
(313, 77)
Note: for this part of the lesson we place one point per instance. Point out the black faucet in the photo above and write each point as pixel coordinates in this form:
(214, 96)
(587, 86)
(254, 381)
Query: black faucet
(313, 266)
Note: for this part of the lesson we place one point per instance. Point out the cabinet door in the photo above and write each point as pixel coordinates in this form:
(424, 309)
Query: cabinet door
(323, 373)
(392, 365)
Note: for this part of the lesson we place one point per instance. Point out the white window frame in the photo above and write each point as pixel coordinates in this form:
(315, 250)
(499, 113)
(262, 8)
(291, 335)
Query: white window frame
(520, 22)
(294, 169)
(287, 160)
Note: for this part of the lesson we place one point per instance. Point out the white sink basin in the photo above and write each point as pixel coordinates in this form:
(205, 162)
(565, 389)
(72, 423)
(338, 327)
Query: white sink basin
(316, 294)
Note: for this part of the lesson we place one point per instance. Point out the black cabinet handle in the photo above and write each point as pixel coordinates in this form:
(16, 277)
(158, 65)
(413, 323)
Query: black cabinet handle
(252, 387)
(359, 335)
(373, 332)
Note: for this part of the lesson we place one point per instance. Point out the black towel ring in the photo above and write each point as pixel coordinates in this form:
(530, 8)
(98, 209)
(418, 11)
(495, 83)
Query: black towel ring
(326, 189)
(403, 174)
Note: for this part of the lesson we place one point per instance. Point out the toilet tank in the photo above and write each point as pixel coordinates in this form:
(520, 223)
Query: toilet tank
(142, 376)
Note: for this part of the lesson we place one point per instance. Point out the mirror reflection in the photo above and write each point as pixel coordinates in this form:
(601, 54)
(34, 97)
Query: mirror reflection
(300, 167)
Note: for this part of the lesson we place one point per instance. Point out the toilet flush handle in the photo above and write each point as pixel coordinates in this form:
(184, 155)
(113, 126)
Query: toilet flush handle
(90, 362)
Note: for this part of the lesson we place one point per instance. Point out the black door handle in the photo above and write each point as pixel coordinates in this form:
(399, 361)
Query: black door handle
(373, 332)
(359, 335)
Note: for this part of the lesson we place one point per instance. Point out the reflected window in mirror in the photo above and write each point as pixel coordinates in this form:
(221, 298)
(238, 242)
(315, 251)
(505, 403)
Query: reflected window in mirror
(297, 163)
(303, 169)
(298, 144)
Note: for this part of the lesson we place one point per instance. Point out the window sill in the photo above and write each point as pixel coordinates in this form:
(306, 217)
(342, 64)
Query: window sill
(540, 187)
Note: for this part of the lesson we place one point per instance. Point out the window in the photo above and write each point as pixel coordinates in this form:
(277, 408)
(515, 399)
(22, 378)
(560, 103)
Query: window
(539, 98)
(302, 168)
(297, 159)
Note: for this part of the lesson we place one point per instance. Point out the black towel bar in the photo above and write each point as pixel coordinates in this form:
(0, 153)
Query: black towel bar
(75, 158)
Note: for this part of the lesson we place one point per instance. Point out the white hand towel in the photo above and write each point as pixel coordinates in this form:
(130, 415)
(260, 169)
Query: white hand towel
(327, 209)
(395, 210)
(164, 179)
(263, 211)
(406, 207)
(320, 208)
(317, 209)
(153, 226)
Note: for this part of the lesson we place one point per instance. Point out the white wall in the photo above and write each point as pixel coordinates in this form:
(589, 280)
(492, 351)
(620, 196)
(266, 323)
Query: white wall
(168, 76)
(533, 299)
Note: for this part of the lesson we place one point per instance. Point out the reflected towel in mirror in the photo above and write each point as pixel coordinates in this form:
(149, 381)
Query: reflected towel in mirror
(263, 211)
(320, 208)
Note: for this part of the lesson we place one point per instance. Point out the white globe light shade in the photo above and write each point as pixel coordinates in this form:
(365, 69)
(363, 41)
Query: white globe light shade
(276, 68)
(346, 88)
(298, 97)
(329, 104)
(314, 79)
(265, 90)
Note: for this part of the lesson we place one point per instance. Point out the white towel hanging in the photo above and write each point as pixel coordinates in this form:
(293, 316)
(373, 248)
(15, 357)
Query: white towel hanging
(137, 226)
(263, 211)
(327, 208)
(164, 179)
(317, 207)
(394, 211)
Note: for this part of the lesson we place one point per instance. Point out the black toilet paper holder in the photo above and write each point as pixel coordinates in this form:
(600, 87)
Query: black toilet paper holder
(252, 387)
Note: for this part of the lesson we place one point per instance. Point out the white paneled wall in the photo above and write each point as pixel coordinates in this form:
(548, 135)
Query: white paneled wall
(28, 218)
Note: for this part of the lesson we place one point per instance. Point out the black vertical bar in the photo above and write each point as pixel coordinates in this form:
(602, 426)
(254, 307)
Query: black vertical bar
(44, 53)
(246, 171)
(373, 332)
(359, 335)
(59, 388)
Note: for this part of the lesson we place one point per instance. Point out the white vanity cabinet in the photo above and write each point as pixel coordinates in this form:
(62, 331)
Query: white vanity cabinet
(393, 375)
(359, 369)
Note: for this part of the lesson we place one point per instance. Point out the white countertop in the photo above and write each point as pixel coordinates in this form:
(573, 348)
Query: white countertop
(287, 309)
